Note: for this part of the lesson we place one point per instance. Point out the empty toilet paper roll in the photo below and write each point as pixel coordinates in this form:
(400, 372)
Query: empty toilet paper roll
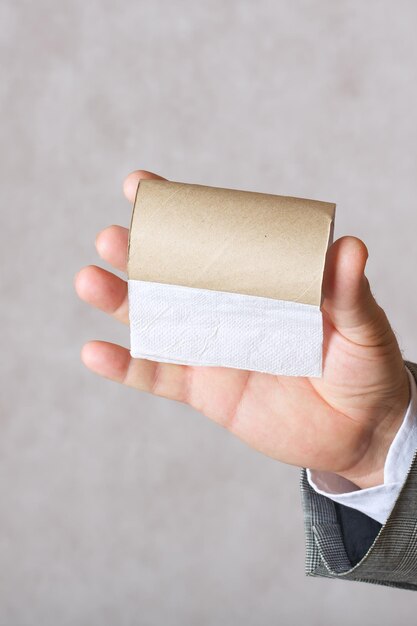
(222, 277)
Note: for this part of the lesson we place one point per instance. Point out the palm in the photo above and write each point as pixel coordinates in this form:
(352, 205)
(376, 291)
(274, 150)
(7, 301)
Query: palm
(322, 423)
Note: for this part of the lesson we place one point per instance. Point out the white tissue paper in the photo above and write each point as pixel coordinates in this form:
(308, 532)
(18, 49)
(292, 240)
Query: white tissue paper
(187, 325)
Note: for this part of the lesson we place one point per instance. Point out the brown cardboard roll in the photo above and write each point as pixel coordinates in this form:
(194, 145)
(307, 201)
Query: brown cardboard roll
(229, 240)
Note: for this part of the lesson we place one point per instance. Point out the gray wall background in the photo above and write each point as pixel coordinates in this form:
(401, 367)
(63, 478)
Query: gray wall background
(117, 507)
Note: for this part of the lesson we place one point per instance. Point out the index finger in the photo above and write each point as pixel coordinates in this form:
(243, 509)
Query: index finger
(131, 182)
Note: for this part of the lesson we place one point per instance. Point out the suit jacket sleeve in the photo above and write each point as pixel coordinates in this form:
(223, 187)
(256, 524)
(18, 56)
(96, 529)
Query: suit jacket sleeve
(342, 544)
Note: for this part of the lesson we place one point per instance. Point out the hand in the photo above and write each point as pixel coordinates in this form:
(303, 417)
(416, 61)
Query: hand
(343, 422)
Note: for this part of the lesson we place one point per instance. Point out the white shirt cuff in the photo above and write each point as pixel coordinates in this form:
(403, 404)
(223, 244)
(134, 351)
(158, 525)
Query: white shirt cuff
(376, 502)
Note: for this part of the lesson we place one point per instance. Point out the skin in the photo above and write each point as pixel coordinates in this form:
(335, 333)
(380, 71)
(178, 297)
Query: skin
(343, 422)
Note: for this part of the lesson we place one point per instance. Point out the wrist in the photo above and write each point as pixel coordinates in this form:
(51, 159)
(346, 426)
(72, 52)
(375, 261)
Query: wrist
(369, 471)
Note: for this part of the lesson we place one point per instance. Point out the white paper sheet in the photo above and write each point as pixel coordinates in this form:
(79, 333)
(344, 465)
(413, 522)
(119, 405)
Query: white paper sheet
(178, 324)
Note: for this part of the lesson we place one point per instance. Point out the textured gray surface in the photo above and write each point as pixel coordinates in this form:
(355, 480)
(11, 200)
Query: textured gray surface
(120, 508)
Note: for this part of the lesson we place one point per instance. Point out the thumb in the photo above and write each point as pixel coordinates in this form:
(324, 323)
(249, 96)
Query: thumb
(348, 300)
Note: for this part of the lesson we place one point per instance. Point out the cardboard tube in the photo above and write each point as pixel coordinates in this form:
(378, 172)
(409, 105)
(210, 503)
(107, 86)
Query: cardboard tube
(229, 240)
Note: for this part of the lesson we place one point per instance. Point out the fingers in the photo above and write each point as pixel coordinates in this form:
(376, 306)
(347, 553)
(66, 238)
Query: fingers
(98, 287)
(115, 363)
(348, 300)
(214, 391)
(104, 291)
(131, 182)
(111, 244)
(106, 359)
